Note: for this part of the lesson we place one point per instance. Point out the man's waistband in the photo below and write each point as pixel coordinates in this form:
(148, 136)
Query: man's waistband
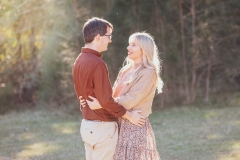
(90, 120)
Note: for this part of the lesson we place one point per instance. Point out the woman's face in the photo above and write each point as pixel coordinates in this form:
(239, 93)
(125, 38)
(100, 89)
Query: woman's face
(134, 51)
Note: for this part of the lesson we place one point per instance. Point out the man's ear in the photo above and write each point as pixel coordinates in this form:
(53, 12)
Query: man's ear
(97, 37)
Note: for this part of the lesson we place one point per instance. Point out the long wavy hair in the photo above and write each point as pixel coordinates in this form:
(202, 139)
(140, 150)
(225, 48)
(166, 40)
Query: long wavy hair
(150, 57)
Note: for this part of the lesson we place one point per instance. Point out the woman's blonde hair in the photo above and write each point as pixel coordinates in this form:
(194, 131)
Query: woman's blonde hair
(150, 56)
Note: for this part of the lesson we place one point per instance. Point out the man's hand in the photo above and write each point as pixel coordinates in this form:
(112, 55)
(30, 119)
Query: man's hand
(135, 118)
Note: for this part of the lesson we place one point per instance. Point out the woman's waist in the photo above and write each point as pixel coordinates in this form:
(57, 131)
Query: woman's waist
(145, 110)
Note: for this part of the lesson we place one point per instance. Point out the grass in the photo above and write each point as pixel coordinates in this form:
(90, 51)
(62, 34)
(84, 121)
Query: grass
(181, 134)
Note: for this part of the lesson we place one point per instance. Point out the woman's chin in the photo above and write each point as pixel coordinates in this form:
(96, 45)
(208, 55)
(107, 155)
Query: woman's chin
(129, 56)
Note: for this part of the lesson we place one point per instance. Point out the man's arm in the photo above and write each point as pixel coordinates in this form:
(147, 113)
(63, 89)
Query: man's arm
(103, 91)
(134, 117)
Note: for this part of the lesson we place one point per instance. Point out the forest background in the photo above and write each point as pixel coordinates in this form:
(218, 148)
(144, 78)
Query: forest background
(199, 41)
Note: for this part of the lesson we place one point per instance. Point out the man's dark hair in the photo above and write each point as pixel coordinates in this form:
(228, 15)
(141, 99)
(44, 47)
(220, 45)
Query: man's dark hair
(93, 27)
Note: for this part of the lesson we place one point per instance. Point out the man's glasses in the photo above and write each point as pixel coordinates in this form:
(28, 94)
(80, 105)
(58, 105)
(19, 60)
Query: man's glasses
(110, 36)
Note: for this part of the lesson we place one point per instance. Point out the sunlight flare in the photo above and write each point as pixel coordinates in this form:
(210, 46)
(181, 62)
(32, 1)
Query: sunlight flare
(68, 128)
(235, 153)
(37, 149)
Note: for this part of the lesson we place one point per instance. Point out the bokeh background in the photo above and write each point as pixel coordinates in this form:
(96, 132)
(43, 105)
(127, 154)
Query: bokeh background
(199, 43)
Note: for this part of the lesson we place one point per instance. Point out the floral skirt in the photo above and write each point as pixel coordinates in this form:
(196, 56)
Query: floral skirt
(135, 143)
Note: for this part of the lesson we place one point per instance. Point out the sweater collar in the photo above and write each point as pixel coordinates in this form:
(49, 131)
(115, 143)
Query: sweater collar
(91, 51)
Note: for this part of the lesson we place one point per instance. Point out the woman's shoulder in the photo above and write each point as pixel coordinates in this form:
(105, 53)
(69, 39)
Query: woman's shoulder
(147, 71)
(147, 74)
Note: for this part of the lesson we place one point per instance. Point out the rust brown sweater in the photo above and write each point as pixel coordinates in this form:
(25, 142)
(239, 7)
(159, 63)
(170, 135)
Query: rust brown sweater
(90, 75)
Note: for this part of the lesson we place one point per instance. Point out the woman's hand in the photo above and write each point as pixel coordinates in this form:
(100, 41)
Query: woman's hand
(82, 101)
(93, 105)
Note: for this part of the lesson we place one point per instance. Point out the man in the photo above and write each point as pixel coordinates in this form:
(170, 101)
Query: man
(99, 129)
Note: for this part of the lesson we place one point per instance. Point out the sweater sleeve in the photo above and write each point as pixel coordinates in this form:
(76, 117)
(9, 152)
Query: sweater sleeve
(138, 91)
(103, 91)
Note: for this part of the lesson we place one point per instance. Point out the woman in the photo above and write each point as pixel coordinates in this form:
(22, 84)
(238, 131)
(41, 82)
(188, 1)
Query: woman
(134, 89)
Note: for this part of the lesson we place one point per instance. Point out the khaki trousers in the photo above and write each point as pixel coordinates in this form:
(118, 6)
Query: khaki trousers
(100, 139)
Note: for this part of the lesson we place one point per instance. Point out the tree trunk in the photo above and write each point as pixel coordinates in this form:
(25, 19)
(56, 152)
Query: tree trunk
(135, 13)
(208, 80)
(77, 41)
(160, 31)
(108, 5)
(195, 56)
(210, 60)
(186, 86)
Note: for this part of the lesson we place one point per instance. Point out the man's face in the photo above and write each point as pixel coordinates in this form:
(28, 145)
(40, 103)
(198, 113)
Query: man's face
(105, 40)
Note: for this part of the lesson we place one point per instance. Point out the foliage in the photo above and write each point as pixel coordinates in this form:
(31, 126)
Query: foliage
(198, 41)
(20, 42)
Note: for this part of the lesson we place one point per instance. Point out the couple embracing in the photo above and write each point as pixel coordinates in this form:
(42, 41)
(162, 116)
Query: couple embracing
(115, 121)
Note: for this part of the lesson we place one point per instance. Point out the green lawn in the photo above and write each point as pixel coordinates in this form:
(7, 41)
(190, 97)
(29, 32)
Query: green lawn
(181, 134)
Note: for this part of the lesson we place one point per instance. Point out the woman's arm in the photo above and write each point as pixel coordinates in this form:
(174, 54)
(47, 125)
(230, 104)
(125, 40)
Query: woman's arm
(139, 90)
(93, 104)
